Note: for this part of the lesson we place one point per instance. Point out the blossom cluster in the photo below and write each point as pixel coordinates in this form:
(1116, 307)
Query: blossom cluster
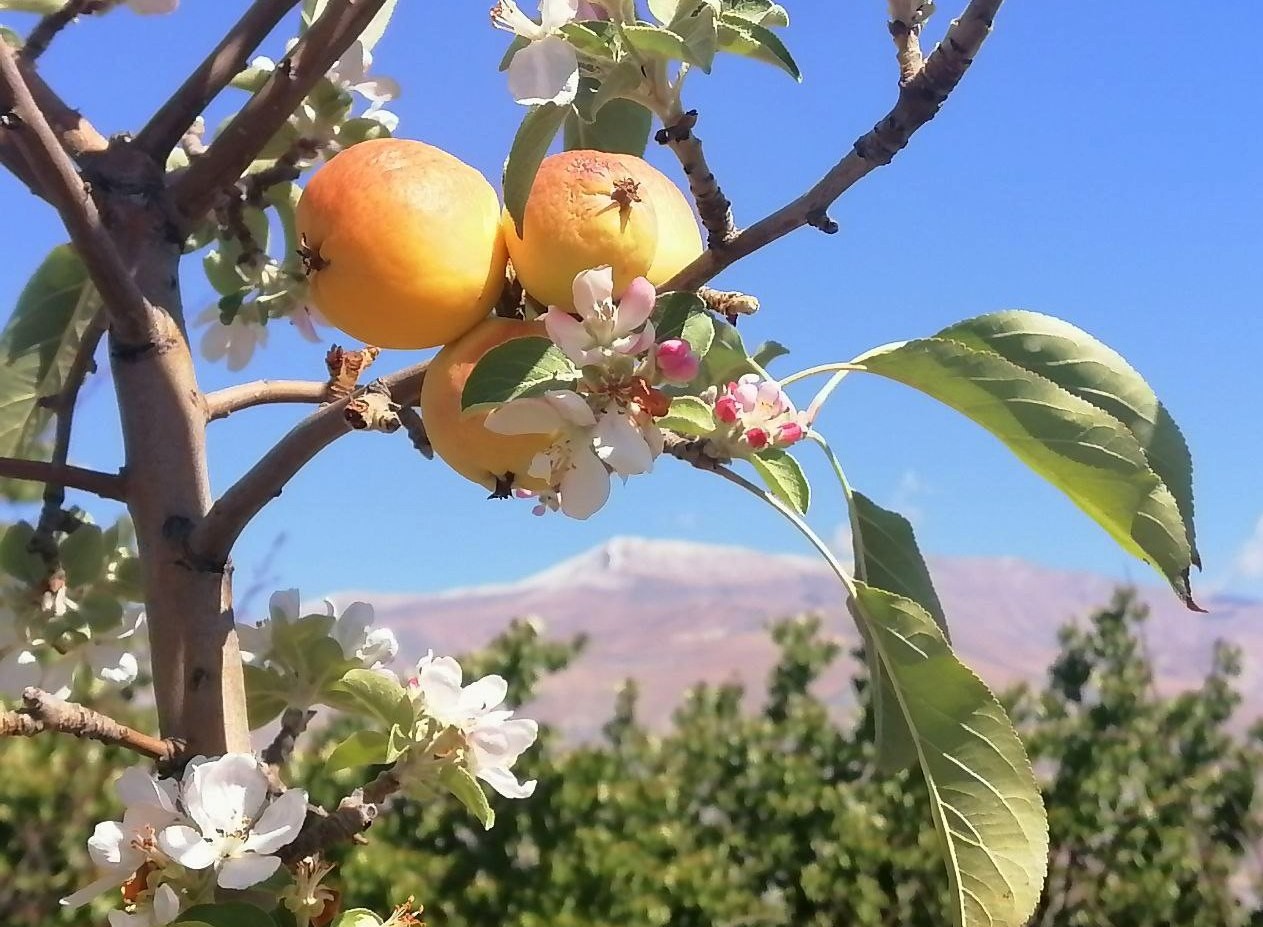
(180, 840)
(353, 630)
(606, 424)
(491, 739)
(753, 414)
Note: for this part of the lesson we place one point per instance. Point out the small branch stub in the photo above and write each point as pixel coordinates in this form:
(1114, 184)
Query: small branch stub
(729, 303)
(346, 367)
(713, 207)
(374, 410)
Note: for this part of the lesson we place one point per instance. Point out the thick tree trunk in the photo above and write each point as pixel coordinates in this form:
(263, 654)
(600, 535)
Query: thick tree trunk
(198, 681)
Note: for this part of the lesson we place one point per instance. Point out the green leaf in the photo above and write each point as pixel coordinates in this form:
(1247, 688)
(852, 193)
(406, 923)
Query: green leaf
(761, 12)
(986, 804)
(671, 312)
(101, 611)
(699, 332)
(515, 46)
(461, 782)
(16, 557)
(656, 43)
(1094, 372)
(267, 694)
(361, 129)
(695, 23)
(739, 36)
(784, 478)
(374, 695)
(38, 346)
(82, 555)
(1085, 452)
(306, 651)
(11, 38)
(358, 917)
(251, 79)
(689, 416)
(221, 270)
(767, 352)
(363, 748)
(516, 369)
(664, 10)
(887, 558)
(621, 127)
(228, 915)
(591, 39)
(726, 360)
(615, 83)
(530, 145)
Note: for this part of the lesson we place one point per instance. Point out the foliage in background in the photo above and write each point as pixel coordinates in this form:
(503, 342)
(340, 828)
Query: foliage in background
(764, 817)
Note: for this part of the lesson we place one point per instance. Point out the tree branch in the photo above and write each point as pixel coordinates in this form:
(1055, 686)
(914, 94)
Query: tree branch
(196, 189)
(224, 402)
(61, 183)
(43, 712)
(713, 207)
(105, 485)
(47, 28)
(919, 100)
(293, 723)
(354, 815)
(211, 541)
(229, 58)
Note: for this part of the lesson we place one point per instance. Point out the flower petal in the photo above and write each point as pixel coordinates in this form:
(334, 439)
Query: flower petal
(352, 626)
(378, 89)
(94, 889)
(546, 71)
(554, 14)
(571, 406)
(591, 288)
(505, 783)
(484, 694)
(284, 604)
(635, 307)
(280, 823)
(569, 334)
(524, 417)
(166, 905)
(621, 445)
(244, 871)
(187, 847)
(585, 487)
(225, 792)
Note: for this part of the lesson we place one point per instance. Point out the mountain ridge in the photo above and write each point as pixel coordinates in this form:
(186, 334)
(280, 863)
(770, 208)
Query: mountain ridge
(672, 613)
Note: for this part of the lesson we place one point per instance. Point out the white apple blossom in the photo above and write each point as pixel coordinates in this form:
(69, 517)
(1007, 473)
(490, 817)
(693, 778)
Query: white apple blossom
(570, 465)
(119, 849)
(255, 640)
(495, 739)
(235, 830)
(350, 74)
(152, 909)
(547, 69)
(235, 341)
(374, 648)
(603, 329)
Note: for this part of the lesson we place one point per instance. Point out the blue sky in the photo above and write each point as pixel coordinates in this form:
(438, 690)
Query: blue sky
(1099, 163)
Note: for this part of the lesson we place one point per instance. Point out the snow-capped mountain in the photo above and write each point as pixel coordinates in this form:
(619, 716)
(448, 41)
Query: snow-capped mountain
(673, 613)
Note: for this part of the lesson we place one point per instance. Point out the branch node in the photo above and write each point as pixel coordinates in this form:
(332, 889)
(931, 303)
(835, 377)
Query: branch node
(729, 303)
(819, 219)
(373, 410)
(346, 367)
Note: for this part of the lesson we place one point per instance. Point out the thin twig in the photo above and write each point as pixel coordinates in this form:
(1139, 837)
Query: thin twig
(212, 540)
(47, 28)
(293, 723)
(61, 182)
(105, 485)
(224, 402)
(228, 156)
(919, 100)
(64, 405)
(712, 206)
(229, 58)
(287, 168)
(42, 712)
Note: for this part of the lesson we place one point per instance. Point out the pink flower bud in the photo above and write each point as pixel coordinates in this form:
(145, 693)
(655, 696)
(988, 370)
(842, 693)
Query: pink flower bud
(727, 410)
(677, 362)
(789, 433)
(757, 438)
